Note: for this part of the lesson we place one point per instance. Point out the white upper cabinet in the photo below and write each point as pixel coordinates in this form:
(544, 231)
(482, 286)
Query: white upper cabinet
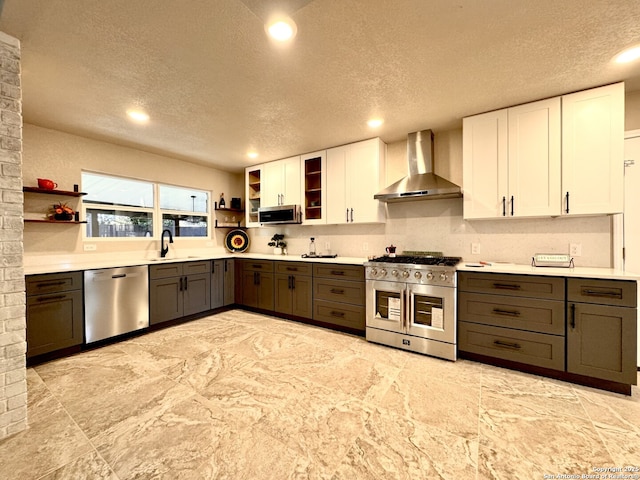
(253, 194)
(355, 173)
(592, 151)
(511, 161)
(529, 160)
(281, 182)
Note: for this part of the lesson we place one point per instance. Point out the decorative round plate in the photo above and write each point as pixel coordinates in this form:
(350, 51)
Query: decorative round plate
(237, 241)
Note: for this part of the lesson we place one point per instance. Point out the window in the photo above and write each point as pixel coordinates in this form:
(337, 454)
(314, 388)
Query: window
(184, 211)
(118, 207)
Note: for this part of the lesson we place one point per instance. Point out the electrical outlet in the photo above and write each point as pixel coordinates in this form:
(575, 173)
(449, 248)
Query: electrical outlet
(475, 249)
(575, 249)
(327, 246)
(365, 247)
(90, 247)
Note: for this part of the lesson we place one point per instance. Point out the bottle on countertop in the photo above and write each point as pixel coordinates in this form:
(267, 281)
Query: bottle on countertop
(312, 247)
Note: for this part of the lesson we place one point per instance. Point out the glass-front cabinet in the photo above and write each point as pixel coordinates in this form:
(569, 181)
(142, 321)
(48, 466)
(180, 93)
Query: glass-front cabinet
(253, 178)
(314, 180)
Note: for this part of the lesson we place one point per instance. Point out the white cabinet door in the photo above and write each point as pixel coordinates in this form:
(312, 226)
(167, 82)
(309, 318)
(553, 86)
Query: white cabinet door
(484, 165)
(281, 182)
(337, 185)
(534, 159)
(365, 176)
(592, 151)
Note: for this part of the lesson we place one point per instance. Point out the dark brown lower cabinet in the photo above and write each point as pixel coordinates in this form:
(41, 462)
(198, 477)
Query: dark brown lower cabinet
(293, 288)
(222, 282)
(54, 312)
(601, 338)
(257, 284)
(178, 289)
(339, 296)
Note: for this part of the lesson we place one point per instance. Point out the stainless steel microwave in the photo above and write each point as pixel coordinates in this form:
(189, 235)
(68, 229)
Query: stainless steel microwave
(280, 214)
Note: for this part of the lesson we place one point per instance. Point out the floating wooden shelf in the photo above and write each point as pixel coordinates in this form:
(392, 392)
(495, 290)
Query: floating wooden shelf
(231, 210)
(70, 222)
(52, 192)
(228, 225)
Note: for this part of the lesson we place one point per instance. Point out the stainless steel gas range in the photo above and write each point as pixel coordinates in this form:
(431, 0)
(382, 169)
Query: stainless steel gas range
(411, 303)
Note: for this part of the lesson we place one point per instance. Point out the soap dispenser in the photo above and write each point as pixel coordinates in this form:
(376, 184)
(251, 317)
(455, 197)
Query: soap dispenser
(312, 247)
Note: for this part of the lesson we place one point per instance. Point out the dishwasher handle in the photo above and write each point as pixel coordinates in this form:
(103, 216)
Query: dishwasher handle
(120, 275)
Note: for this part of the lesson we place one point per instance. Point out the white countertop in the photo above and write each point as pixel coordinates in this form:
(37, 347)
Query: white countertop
(38, 264)
(581, 272)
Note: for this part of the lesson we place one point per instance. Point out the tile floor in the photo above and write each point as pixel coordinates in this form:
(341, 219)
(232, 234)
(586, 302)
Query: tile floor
(245, 396)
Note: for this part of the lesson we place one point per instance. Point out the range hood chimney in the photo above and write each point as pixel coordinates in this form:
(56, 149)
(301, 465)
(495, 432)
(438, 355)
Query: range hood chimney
(421, 183)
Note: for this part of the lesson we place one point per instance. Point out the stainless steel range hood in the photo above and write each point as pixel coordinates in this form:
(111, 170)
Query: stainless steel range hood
(421, 183)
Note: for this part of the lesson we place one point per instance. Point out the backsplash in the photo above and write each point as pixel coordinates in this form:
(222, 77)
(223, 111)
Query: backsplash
(437, 225)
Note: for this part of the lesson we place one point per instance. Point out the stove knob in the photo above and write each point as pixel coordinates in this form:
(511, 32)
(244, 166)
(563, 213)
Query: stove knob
(443, 276)
(430, 276)
(405, 274)
(383, 273)
(394, 273)
(418, 275)
(374, 272)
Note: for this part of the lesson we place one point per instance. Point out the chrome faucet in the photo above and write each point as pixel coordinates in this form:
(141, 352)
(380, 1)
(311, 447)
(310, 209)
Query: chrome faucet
(164, 250)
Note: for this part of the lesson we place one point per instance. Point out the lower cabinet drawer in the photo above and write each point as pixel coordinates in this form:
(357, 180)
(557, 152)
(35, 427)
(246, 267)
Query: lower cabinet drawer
(531, 314)
(351, 316)
(339, 291)
(537, 349)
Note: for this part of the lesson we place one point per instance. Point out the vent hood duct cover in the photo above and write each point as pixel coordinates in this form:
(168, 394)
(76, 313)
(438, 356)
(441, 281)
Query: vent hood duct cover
(421, 183)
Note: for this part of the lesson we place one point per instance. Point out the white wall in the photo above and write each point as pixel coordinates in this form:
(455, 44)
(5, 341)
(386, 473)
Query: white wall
(61, 157)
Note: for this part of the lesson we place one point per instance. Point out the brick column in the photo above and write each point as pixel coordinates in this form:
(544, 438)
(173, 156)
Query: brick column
(13, 385)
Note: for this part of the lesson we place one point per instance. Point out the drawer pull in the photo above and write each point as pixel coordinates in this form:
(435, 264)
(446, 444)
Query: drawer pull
(337, 291)
(600, 293)
(337, 272)
(256, 266)
(506, 313)
(54, 297)
(292, 269)
(335, 313)
(506, 286)
(503, 344)
(50, 284)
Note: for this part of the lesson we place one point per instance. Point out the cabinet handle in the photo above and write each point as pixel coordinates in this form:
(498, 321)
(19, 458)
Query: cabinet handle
(504, 206)
(337, 291)
(335, 313)
(225, 265)
(501, 343)
(289, 283)
(293, 282)
(256, 281)
(573, 315)
(337, 272)
(600, 293)
(506, 313)
(352, 215)
(186, 284)
(50, 284)
(181, 288)
(53, 297)
(506, 286)
(512, 203)
(567, 200)
(347, 218)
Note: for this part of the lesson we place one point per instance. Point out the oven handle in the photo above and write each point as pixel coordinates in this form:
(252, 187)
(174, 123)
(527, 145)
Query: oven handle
(407, 310)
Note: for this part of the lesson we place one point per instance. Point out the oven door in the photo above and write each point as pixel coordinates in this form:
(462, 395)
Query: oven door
(386, 305)
(431, 312)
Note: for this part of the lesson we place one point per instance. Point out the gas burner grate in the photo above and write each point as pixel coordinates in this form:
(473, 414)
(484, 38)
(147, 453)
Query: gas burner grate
(419, 260)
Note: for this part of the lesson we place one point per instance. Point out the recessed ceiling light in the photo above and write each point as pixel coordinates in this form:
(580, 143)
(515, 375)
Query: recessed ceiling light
(281, 28)
(628, 55)
(252, 154)
(375, 122)
(138, 116)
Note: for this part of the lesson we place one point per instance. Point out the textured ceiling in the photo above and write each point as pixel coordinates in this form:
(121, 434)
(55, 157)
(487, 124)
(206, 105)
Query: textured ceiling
(216, 87)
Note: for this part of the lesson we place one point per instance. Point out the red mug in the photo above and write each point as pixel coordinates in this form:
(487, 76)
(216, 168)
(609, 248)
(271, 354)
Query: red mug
(47, 184)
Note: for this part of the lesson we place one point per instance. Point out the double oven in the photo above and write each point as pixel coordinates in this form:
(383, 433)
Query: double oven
(411, 304)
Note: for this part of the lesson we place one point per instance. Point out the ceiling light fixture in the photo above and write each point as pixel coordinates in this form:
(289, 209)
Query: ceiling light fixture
(375, 122)
(252, 154)
(138, 116)
(628, 55)
(281, 28)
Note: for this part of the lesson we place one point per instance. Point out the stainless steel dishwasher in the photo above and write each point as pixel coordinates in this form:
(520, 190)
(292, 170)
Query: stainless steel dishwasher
(116, 301)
